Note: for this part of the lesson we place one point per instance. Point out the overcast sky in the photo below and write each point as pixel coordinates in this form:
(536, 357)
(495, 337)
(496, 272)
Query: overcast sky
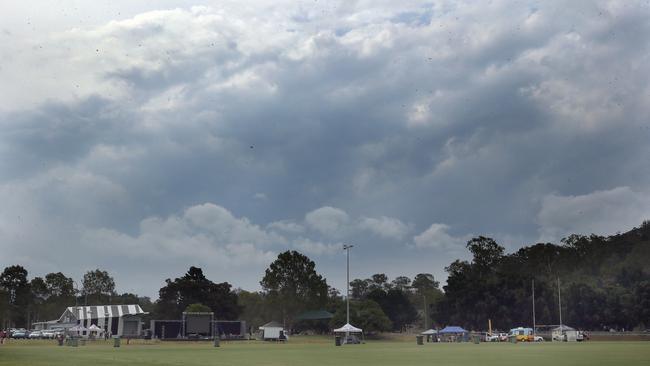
(145, 137)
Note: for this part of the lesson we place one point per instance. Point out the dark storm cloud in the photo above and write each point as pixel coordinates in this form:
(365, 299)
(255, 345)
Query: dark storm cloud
(406, 133)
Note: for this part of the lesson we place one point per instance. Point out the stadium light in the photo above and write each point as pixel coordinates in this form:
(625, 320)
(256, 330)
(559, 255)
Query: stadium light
(347, 248)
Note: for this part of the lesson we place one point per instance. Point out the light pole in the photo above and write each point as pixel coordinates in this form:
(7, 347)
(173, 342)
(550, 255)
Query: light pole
(347, 248)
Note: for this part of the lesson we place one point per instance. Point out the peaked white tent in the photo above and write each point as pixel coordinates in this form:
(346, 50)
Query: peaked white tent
(77, 331)
(95, 331)
(350, 329)
(431, 335)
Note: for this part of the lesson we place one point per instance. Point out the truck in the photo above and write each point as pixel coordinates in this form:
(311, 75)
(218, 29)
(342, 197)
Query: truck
(524, 335)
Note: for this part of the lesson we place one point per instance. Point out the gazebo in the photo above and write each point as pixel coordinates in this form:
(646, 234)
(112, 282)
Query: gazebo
(564, 333)
(349, 329)
(79, 329)
(431, 335)
(95, 331)
(453, 333)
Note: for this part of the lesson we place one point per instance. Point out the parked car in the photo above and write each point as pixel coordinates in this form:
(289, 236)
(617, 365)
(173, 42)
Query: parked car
(492, 337)
(539, 338)
(48, 334)
(19, 334)
(503, 337)
(37, 334)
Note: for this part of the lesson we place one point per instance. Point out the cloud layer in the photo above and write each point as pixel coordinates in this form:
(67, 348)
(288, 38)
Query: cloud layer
(146, 140)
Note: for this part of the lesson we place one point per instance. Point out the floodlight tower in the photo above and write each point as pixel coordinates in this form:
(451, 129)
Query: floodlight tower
(347, 248)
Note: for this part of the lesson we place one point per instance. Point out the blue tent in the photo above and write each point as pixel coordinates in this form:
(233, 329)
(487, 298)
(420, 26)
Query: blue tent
(452, 329)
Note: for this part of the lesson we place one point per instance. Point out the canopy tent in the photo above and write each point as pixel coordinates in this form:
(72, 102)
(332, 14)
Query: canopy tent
(77, 331)
(431, 334)
(95, 331)
(452, 329)
(452, 333)
(78, 328)
(562, 328)
(347, 328)
(564, 333)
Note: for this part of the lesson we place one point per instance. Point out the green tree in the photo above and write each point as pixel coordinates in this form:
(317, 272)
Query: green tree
(197, 308)
(425, 283)
(427, 296)
(359, 289)
(4, 309)
(255, 308)
(396, 305)
(402, 283)
(378, 281)
(98, 287)
(59, 284)
(293, 286)
(193, 288)
(13, 281)
(38, 299)
(486, 251)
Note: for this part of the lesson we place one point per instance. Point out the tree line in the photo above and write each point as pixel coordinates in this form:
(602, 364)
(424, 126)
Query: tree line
(604, 283)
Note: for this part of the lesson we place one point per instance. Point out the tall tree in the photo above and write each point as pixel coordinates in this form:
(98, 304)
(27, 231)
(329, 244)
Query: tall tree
(98, 287)
(14, 282)
(193, 288)
(402, 283)
(255, 308)
(396, 305)
(293, 285)
(427, 296)
(59, 284)
(39, 296)
(379, 281)
(359, 289)
(486, 251)
(425, 282)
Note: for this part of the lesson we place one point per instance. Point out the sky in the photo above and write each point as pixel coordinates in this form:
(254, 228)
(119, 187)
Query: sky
(146, 137)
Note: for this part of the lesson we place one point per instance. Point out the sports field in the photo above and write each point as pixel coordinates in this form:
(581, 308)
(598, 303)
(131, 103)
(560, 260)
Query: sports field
(321, 351)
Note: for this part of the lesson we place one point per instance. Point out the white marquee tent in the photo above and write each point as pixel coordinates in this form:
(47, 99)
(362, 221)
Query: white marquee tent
(350, 329)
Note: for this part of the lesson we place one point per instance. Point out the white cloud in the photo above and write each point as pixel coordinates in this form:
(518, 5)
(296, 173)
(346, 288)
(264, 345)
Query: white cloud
(598, 212)
(315, 247)
(437, 236)
(328, 220)
(206, 233)
(288, 226)
(387, 227)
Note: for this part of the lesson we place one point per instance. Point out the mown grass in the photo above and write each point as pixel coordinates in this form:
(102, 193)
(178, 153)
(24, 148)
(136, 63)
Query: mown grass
(301, 351)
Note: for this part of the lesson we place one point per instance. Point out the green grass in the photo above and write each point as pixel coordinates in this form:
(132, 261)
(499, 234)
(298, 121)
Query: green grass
(314, 351)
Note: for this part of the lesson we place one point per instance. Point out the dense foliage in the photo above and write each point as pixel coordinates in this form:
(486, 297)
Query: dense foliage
(195, 288)
(604, 283)
(292, 286)
(364, 314)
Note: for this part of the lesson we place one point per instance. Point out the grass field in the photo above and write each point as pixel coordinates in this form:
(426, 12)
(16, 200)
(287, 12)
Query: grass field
(321, 351)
